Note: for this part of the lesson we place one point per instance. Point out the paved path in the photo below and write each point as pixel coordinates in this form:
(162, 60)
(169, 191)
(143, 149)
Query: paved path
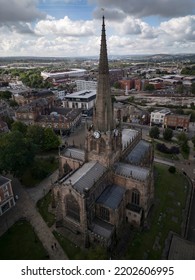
(26, 208)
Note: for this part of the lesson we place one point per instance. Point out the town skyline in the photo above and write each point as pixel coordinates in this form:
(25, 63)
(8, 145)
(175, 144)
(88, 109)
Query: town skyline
(58, 28)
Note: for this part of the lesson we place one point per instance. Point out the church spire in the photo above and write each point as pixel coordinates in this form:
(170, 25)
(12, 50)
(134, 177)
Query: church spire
(103, 111)
(103, 60)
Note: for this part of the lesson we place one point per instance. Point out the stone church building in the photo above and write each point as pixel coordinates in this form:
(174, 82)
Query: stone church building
(110, 182)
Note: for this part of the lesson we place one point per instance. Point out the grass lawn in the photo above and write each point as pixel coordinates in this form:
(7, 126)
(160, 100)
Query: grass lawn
(76, 253)
(43, 206)
(170, 197)
(21, 243)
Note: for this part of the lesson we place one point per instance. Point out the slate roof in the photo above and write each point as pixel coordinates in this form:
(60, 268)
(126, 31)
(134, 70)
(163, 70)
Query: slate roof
(74, 153)
(86, 176)
(102, 228)
(3, 180)
(127, 136)
(136, 155)
(132, 171)
(181, 249)
(111, 196)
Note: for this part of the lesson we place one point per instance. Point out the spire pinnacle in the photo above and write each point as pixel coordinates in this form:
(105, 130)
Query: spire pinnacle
(103, 113)
(103, 61)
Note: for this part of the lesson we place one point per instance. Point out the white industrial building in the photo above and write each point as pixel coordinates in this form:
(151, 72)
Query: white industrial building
(68, 73)
(84, 100)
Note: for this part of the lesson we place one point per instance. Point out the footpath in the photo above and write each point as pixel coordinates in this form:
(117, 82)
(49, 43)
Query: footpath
(25, 208)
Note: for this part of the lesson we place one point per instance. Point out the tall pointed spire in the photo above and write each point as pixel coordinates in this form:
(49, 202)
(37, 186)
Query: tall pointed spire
(103, 112)
(103, 60)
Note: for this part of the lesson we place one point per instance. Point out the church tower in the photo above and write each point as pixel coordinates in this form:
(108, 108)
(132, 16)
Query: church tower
(103, 140)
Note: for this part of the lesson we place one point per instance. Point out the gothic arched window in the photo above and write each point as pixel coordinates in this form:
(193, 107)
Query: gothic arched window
(72, 208)
(135, 197)
(104, 213)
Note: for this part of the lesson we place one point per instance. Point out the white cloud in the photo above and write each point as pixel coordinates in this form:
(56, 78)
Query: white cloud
(65, 26)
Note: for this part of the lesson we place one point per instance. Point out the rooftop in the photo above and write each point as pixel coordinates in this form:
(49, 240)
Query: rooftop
(137, 154)
(131, 171)
(111, 196)
(83, 94)
(74, 153)
(102, 228)
(85, 177)
(127, 136)
(3, 180)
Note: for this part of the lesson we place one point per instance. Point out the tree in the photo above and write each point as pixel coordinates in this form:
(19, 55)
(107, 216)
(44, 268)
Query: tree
(5, 94)
(36, 134)
(172, 169)
(117, 85)
(182, 137)
(19, 126)
(51, 140)
(193, 88)
(149, 87)
(168, 134)
(193, 140)
(180, 89)
(16, 153)
(154, 132)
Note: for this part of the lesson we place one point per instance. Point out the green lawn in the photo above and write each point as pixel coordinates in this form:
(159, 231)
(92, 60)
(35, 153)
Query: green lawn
(75, 253)
(43, 207)
(170, 197)
(21, 243)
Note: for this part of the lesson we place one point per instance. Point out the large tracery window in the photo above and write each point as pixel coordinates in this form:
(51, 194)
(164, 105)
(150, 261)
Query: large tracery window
(72, 208)
(104, 213)
(135, 198)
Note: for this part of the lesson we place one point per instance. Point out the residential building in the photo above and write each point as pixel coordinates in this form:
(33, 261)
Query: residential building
(86, 85)
(179, 122)
(110, 182)
(26, 97)
(158, 117)
(62, 123)
(6, 195)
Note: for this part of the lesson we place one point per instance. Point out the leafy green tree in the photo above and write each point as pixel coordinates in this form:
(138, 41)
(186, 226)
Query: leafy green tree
(8, 120)
(5, 94)
(168, 134)
(172, 169)
(182, 137)
(36, 134)
(19, 126)
(51, 140)
(117, 85)
(149, 87)
(193, 88)
(180, 89)
(193, 140)
(154, 132)
(16, 153)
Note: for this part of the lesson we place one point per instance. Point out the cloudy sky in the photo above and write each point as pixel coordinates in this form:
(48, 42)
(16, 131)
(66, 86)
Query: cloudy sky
(73, 27)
